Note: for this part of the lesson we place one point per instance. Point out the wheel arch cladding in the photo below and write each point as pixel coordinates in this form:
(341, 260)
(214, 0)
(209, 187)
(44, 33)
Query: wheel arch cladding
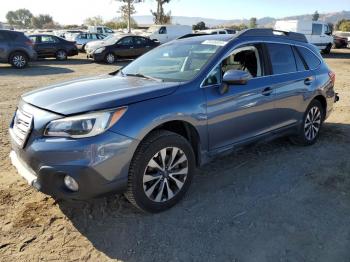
(323, 102)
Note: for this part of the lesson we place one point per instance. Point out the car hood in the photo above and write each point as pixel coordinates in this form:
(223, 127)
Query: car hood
(97, 93)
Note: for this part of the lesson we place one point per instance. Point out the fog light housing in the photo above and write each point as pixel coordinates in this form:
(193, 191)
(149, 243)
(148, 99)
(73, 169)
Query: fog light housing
(71, 184)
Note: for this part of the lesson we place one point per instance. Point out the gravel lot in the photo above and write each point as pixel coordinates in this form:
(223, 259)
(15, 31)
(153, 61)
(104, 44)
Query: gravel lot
(268, 202)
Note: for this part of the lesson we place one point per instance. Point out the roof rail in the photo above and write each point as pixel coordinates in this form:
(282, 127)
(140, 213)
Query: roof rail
(275, 33)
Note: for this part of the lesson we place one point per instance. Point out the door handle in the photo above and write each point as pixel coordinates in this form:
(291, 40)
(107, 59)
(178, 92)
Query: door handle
(267, 91)
(308, 81)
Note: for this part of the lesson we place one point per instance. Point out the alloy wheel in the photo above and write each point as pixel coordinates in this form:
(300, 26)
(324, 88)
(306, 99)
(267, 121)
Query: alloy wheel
(61, 55)
(312, 123)
(165, 174)
(110, 58)
(19, 61)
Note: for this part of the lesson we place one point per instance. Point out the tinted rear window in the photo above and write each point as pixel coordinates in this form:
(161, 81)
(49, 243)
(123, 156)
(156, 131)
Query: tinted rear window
(310, 58)
(282, 58)
(299, 61)
(7, 35)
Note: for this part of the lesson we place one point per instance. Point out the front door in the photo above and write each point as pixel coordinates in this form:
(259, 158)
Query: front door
(126, 47)
(244, 111)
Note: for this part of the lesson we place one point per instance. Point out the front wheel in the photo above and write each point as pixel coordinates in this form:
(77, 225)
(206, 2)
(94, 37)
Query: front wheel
(110, 58)
(161, 172)
(310, 127)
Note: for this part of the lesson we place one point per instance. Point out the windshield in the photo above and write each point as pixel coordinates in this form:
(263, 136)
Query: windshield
(175, 62)
(111, 40)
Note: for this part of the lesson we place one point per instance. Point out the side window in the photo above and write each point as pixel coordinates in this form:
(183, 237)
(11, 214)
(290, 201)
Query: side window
(99, 30)
(126, 41)
(32, 38)
(47, 39)
(222, 32)
(316, 29)
(140, 41)
(299, 61)
(100, 37)
(245, 58)
(310, 58)
(162, 30)
(282, 58)
(83, 36)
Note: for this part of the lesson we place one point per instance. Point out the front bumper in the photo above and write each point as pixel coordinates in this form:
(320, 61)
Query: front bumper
(99, 164)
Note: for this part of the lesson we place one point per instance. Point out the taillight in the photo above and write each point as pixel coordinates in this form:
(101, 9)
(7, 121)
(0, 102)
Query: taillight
(332, 76)
(29, 43)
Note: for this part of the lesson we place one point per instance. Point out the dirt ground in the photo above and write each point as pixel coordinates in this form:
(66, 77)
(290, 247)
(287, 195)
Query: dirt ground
(268, 202)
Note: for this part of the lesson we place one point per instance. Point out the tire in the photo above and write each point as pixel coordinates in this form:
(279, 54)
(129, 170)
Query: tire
(19, 60)
(110, 58)
(310, 128)
(327, 50)
(61, 55)
(149, 188)
(83, 49)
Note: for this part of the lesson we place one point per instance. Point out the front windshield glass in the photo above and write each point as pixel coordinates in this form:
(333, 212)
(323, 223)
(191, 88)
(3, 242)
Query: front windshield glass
(111, 40)
(175, 62)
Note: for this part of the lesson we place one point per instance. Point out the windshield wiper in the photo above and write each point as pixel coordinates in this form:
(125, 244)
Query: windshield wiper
(143, 76)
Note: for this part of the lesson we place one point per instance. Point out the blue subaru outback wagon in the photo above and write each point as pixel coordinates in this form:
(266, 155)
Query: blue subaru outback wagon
(142, 130)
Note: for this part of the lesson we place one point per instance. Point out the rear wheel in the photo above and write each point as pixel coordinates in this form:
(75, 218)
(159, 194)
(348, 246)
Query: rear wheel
(161, 172)
(110, 58)
(19, 60)
(310, 127)
(61, 55)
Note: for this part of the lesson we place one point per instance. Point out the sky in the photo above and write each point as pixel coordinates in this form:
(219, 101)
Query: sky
(76, 11)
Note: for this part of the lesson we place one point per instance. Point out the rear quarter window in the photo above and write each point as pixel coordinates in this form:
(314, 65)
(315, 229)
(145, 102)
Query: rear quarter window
(309, 57)
(282, 58)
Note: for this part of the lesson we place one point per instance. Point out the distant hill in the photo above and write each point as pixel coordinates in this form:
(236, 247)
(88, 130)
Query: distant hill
(262, 22)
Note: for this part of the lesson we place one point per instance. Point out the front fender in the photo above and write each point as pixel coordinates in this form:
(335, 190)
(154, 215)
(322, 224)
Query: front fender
(186, 104)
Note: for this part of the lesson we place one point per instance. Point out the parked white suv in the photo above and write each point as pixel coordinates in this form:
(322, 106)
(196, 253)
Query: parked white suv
(317, 33)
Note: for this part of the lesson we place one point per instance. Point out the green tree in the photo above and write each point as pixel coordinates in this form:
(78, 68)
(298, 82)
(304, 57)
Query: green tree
(42, 21)
(315, 16)
(128, 10)
(21, 18)
(96, 20)
(159, 16)
(253, 22)
(199, 26)
(342, 25)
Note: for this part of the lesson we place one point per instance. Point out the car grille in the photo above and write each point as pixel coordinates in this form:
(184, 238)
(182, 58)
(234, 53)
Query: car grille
(22, 126)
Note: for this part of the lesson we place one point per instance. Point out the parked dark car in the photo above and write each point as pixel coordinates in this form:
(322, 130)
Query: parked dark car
(143, 130)
(119, 47)
(16, 49)
(340, 42)
(53, 46)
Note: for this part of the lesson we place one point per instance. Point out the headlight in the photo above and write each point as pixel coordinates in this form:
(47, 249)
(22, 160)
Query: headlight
(99, 50)
(86, 125)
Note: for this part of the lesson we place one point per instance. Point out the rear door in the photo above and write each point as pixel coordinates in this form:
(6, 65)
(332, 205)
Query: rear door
(142, 45)
(291, 81)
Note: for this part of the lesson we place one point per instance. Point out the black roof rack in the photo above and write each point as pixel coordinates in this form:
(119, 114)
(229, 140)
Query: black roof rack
(275, 33)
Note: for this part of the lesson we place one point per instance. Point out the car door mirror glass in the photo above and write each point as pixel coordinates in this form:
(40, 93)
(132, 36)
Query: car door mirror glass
(236, 77)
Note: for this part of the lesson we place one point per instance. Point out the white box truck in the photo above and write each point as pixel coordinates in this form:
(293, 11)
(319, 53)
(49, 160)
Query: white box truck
(166, 33)
(317, 33)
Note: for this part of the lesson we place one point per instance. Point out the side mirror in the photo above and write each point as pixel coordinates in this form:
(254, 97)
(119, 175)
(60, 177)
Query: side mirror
(234, 77)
